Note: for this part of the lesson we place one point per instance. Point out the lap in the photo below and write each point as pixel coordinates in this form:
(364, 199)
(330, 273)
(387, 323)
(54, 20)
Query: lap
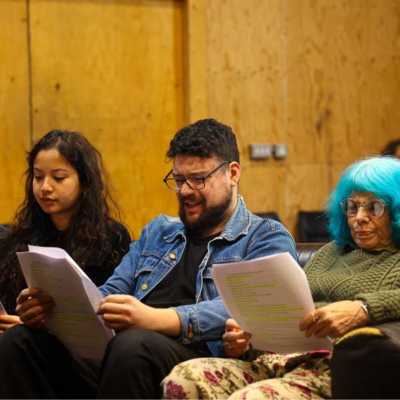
(216, 378)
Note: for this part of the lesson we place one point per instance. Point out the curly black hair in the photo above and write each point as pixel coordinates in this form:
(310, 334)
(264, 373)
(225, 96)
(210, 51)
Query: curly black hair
(91, 227)
(205, 138)
(390, 148)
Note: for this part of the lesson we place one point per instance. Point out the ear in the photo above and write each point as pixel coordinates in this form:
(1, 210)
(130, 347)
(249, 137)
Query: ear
(234, 173)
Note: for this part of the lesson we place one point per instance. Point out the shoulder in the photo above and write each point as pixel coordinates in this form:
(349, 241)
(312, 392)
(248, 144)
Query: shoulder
(117, 227)
(118, 233)
(267, 236)
(324, 256)
(268, 227)
(5, 231)
(163, 225)
(330, 248)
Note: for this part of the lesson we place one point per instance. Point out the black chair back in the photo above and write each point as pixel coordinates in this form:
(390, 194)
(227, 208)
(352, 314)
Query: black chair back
(312, 226)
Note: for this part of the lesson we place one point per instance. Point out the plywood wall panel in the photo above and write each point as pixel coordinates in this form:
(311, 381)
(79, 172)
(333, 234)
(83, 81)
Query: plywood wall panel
(320, 76)
(246, 68)
(14, 105)
(114, 71)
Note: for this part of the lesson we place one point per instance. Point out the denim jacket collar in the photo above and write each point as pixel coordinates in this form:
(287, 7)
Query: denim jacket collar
(237, 225)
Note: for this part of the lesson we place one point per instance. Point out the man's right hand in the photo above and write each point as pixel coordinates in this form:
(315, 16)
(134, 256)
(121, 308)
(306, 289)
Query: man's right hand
(34, 306)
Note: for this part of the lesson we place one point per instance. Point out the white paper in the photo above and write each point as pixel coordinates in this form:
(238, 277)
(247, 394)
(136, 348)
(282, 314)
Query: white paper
(73, 319)
(268, 297)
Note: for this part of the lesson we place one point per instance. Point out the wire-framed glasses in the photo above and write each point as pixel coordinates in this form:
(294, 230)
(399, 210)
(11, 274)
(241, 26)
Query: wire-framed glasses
(374, 208)
(195, 182)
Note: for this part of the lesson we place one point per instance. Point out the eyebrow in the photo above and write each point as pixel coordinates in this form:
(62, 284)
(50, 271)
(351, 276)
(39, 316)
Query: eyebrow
(35, 169)
(198, 173)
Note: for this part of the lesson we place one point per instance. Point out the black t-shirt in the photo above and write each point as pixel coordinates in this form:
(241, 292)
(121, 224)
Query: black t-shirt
(179, 286)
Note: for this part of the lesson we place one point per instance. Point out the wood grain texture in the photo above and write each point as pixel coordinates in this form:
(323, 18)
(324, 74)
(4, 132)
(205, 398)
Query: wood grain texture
(195, 60)
(321, 76)
(14, 105)
(114, 71)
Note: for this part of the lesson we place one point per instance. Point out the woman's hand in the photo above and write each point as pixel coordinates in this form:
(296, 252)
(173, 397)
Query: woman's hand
(7, 321)
(34, 306)
(335, 319)
(236, 341)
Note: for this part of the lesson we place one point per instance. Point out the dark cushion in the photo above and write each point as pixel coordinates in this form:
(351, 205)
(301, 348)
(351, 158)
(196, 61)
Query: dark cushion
(367, 365)
(312, 226)
(306, 250)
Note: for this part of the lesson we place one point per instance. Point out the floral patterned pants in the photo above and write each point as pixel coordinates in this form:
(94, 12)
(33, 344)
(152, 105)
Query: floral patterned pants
(270, 376)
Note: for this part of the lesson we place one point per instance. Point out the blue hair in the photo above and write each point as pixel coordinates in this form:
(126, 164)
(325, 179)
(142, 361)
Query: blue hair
(377, 175)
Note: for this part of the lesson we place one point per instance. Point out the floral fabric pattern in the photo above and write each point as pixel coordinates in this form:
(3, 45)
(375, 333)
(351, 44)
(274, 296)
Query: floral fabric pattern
(303, 376)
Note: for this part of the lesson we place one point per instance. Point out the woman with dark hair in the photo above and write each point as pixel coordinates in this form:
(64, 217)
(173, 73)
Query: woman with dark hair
(66, 205)
(355, 283)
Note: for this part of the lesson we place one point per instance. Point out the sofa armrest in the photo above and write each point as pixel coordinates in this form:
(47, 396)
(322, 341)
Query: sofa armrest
(305, 250)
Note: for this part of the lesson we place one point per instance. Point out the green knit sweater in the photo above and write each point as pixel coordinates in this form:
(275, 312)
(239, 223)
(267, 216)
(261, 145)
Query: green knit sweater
(373, 277)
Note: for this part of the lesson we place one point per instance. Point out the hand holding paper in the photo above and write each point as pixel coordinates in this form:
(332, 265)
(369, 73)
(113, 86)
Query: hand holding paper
(334, 320)
(73, 318)
(268, 297)
(34, 306)
(236, 341)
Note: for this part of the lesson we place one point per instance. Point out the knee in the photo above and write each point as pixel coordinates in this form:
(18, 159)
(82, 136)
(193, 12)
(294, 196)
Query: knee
(183, 381)
(13, 338)
(134, 347)
(135, 341)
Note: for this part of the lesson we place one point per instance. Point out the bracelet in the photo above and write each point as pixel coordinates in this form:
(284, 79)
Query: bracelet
(364, 307)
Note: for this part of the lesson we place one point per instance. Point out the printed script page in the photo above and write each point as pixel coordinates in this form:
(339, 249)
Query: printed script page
(73, 320)
(268, 297)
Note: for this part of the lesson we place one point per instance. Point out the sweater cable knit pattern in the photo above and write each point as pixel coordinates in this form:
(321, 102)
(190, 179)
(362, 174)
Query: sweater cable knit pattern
(373, 277)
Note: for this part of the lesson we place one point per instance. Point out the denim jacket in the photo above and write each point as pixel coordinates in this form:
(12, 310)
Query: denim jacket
(161, 246)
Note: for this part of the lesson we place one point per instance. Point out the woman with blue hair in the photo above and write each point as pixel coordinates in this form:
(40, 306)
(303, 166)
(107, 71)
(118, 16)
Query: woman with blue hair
(355, 283)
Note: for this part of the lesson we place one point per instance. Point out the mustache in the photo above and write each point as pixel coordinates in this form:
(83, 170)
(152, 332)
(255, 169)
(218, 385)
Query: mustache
(190, 198)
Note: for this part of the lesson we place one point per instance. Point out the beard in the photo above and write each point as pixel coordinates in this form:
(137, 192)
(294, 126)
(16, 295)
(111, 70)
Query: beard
(210, 218)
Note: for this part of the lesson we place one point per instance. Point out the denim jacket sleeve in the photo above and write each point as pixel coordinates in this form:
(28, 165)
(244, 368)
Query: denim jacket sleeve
(121, 280)
(206, 319)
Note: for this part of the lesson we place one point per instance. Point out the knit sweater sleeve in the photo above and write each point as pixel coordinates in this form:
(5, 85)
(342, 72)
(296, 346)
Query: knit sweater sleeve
(382, 306)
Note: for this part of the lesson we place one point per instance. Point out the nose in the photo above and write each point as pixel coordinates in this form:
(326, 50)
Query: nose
(185, 190)
(361, 214)
(46, 185)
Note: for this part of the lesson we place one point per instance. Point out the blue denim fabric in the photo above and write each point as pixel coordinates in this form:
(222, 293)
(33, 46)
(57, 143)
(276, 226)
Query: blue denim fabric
(160, 247)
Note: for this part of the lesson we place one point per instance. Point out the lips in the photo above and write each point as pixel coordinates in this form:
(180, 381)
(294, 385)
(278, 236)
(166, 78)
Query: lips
(47, 201)
(191, 207)
(362, 233)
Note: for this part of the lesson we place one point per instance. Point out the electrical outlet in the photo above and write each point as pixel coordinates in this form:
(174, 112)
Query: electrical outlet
(260, 151)
(280, 151)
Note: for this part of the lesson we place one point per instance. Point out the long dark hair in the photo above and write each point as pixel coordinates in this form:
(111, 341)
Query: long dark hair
(90, 226)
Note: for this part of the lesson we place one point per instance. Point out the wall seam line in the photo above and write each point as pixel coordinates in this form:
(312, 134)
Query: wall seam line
(30, 81)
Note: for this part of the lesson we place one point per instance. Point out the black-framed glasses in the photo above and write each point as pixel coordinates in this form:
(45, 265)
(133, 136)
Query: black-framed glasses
(374, 208)
(175, 182)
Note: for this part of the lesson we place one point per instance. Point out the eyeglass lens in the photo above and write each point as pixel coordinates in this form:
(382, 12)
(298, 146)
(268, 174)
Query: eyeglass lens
(375, 208)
